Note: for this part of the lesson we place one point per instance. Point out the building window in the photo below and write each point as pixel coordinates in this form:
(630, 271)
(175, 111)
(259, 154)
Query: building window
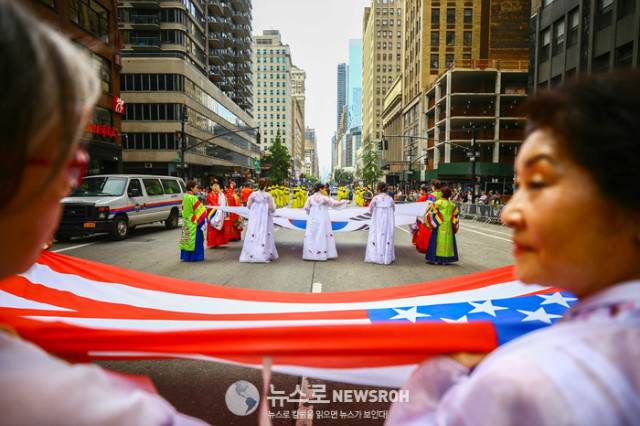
(626, 7)
(601, 63)
(435, 38)
(604, 14)
(451, 16)
(467, 38)
(624, 55)
(468, 16)
(574, 21)
(435, 16)
(91, 16)
(451, 38)
(546, 3)
(545, 38)
(448, 60)
(558, 37)
(434, 61)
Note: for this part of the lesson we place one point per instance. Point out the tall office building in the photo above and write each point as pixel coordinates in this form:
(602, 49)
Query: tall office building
(341, 92)
(573, 37)
(192, 53)
(310, 153)
(272, 93)
(382, 60)
(354, 84)
(298, 77)
(99, 39)
(473, 34)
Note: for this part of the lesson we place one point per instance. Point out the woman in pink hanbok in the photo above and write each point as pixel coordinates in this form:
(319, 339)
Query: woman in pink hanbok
(319, 243)
(380, 248)
(259, 243)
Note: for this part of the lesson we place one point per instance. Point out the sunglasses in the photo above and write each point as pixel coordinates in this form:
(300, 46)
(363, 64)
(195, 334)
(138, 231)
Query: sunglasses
(74, 170)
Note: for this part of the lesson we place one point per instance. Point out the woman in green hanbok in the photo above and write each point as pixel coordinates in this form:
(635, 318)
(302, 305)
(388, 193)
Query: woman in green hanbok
(442, 218)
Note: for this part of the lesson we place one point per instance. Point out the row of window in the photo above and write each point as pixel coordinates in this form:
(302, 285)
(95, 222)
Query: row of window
(270, 100)
(558, 28)
(270, 51)
(177, 83)
(284, 108)
(386, 22)
(258, 75)
(390, 33)
(467, 38)
(264, 83)
(284, 116)
(278, 124)
(259, 59)
(451, 16)
(388, 11)
(434, 61)
(384, 45)
(264, 68)
(284, 92)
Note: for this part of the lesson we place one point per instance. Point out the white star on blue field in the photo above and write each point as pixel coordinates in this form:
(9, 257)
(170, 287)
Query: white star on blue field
(511, 317)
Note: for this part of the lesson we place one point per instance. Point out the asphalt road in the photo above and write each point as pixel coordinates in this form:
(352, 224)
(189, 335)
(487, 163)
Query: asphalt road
(199, 388)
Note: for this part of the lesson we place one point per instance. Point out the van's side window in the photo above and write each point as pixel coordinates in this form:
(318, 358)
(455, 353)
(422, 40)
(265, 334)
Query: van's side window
(152, 186)
(170, 186)
(134, 184)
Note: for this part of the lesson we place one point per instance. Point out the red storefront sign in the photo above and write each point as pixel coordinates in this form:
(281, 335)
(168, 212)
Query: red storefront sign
(101, 129)
(118, 105)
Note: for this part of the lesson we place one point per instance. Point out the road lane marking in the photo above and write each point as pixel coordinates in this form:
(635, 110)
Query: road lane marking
(466, 225)
(72, 247)
(487, 235)
(405, 230)
(316, 288)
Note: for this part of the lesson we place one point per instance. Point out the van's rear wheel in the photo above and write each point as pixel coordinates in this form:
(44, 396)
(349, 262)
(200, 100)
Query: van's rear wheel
(120, 228)
(172, 220)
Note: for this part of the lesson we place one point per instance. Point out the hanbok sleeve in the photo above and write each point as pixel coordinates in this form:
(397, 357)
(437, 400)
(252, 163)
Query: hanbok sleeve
(272, 204)
(334, 204)
(307, 205)
(250, 201)
(373, 203)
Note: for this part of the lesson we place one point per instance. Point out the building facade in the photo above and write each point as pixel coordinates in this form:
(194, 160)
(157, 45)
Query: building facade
(354, 83)
(341, 91)
(298, 77)
(443, 36)
(192, 53)
(98, 38)
(392, 155)
(571, 37)
(272, 93)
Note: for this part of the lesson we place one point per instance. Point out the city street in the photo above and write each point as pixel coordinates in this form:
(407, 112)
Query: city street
(198, 388)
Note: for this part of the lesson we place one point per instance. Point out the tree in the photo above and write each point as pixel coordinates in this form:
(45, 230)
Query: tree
(278, 160)
(312, 179)
(370, 172)
(343, 177)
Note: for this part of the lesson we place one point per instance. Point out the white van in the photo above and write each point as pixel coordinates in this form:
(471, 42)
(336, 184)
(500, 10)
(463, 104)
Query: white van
(116, 203)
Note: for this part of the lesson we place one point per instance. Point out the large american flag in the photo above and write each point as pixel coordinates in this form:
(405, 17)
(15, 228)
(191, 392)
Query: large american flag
(83, 310)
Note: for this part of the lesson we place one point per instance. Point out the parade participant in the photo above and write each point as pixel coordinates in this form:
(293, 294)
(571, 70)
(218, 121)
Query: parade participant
(194, 217)
(578, 164)
(366, 197)
(442, 218)
(245, 192)
(294, 198)
(259, 242)
(421, 235)
(48, 88)
(380, 244)
(319, 243)
(216, 235)
(359, 201)
(232, 222)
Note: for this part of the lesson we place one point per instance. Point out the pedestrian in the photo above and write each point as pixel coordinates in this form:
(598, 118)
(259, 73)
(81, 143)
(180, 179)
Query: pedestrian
(367, 196)
(442, 218)
(380, 244)
(584, 369)
(423, 233)
(245, 192)
(259, 240)
(48, 88)
(194, 216)
(319, 243)
(216, 235)
(232, 222)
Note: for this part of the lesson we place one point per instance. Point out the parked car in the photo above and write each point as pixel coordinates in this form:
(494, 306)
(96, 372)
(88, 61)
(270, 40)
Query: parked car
(115, 204)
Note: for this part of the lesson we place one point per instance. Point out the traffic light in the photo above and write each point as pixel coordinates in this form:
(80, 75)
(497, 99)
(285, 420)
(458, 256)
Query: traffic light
(386, 144)
(379, 145)
(426, 160)
(185, 114)
(179, 139)
(258, 137)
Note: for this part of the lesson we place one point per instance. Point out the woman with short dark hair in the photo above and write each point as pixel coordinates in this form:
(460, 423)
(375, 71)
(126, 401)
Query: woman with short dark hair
(194, 216)
(575, 227)
(443, 220)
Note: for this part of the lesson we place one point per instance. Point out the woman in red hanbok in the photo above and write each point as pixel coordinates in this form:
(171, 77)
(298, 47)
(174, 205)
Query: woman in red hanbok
(216, 235)
(419, 223)
(233, 222)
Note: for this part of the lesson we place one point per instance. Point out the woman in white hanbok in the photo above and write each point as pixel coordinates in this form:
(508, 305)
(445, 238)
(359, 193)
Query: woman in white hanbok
(259, 243)
(319, 243)
(380, 248)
